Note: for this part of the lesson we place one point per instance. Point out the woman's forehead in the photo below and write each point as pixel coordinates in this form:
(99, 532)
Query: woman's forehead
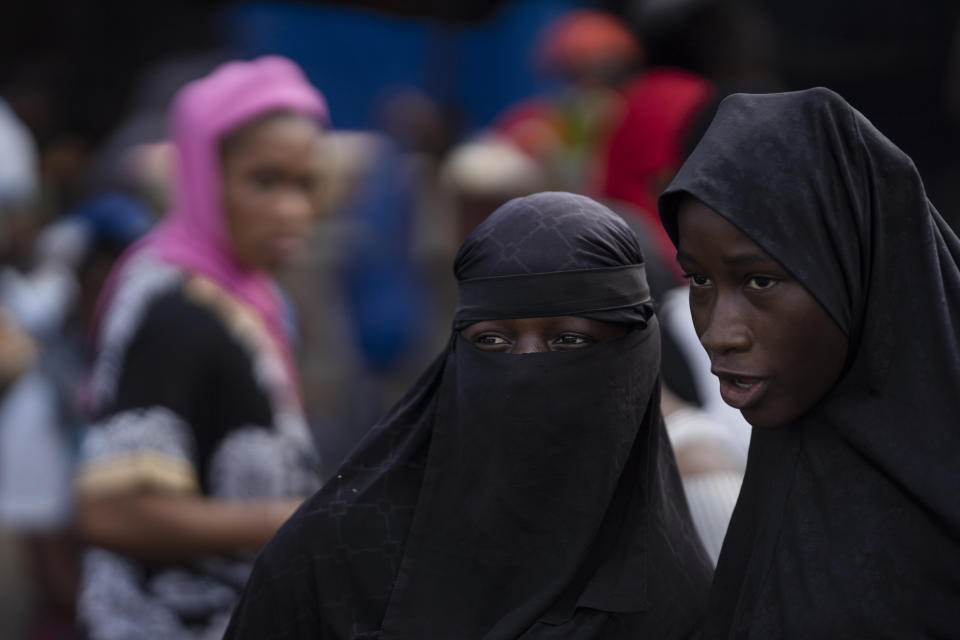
(699, 226)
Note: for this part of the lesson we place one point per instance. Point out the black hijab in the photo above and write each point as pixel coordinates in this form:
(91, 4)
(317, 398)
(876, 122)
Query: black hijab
(848, 523)
(506, 496)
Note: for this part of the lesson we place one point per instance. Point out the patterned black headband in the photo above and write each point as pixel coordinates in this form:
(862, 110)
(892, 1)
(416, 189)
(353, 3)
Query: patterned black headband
(616, 294)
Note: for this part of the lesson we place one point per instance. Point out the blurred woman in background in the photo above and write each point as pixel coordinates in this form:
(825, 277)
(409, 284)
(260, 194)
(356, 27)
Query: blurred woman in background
(201, 449)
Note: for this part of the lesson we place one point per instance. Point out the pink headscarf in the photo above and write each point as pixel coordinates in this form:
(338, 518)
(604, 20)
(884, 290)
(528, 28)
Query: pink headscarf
(194, 235)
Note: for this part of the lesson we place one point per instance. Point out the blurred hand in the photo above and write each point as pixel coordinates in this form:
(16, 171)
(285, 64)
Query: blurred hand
(17, 350)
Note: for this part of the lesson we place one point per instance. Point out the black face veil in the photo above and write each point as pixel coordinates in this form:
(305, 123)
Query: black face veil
(849, 520)
(506, 496)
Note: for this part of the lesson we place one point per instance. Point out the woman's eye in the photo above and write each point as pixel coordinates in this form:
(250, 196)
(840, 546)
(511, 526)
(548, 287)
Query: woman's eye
(264, 179)
(697, 279)
(571, 339)
(490, 339)
(760, 283)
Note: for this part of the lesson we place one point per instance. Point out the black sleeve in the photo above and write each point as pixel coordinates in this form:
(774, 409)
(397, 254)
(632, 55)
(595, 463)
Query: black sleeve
(185, 382)
(148, 437)
(183, 360)
(167, 361)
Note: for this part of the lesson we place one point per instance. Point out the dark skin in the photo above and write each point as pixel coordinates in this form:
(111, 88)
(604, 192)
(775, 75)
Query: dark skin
(775, 349)
(271, 195)
(271, 188)
(539, 335)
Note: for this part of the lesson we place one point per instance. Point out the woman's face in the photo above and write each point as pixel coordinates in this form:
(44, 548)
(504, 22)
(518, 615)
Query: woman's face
(538, 335)
(774, 348)
(271, 180)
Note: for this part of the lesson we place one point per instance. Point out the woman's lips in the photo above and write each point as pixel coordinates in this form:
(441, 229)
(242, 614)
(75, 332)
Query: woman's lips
(741, 392)
(286, 244)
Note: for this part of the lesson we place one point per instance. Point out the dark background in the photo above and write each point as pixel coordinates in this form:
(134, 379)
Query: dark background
(74, 70)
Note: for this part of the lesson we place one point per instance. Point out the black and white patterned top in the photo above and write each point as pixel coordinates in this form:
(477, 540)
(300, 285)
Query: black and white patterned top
(196, 399)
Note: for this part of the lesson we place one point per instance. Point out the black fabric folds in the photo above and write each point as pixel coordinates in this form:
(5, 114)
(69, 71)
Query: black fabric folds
(848, 523)
(565, 254)
(506, 496)
(590, 292)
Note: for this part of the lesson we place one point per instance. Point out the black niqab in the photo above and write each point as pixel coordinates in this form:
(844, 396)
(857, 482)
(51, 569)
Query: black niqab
(506, 496)
(848, 523)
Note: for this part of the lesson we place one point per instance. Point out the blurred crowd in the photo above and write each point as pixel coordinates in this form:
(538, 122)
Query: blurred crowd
(631, 91)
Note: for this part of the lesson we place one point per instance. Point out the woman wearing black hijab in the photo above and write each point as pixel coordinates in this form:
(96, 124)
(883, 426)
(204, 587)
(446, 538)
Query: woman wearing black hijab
(507, 496)
(825, 287)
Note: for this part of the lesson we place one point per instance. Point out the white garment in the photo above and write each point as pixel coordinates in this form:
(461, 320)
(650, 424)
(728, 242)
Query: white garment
(711, 495)
(35, 461)
(39, 300)
(18, 159)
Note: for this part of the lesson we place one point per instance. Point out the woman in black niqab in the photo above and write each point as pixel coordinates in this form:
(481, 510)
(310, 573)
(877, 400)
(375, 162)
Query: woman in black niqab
(506, 496)
(848, 522)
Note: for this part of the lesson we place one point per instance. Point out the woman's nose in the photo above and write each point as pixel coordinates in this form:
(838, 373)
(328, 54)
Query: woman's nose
(529, 344)
(293, 207)
(726, 330)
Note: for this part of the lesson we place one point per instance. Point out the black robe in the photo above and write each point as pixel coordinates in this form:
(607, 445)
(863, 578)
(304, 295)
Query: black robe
(506, 496)
(848, 522)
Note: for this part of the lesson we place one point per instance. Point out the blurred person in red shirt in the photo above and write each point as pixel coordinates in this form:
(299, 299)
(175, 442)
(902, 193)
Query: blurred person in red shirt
(646, 147)
(590, 53)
